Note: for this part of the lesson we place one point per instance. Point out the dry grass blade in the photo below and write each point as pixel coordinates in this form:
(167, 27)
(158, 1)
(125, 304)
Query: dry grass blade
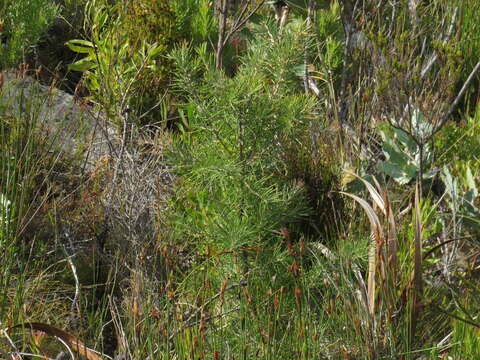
(74, 343)
(392, 238)
(392, 250)
(376, 244)
(380, 198)
(417, 279)
(392, 231)
(376, 195)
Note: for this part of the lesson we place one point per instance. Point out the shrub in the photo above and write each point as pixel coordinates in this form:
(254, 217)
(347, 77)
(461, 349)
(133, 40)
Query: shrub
(23, 23)
(126, 64)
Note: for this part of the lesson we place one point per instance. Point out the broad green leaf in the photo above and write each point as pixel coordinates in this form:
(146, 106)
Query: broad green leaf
(402, 175)
(154, 50)
(84, 64)
(394, 154)
(420, 124)
(406, 140)
(80, 46)
(469, 199)
(299, 70)
(471, 182)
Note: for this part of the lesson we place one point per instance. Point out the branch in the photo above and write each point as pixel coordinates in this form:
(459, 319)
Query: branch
(306, 77)
(222, 24)
(447, 37)
(455, 102)
(347, 19)
(239, 23)
(77, 282)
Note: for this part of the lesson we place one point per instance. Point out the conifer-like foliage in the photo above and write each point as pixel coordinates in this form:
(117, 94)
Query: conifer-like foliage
(236, 135)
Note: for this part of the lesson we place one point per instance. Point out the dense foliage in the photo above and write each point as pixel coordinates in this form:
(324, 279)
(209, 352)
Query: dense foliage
(277, 180)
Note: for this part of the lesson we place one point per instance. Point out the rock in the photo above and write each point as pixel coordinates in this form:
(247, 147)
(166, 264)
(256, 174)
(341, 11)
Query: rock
(75, 129)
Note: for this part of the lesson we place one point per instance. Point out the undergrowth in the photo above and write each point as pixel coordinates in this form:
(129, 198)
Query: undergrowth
(312, 194)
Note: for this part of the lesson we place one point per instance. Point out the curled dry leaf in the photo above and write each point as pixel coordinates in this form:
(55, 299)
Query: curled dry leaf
(74, 343)
(375, 246)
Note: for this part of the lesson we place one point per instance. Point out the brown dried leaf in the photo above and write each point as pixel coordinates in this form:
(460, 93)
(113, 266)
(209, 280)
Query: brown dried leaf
(377, 198)
(74, 343)
(377, 242)
(417, 281)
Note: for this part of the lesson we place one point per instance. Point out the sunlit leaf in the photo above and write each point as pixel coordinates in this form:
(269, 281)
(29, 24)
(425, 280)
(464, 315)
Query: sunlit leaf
(84, 64)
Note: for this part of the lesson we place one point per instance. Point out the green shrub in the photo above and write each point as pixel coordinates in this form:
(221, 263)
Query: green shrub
(24, 22)
(459, 141)
(126, 64)
(238, 133)
(469, 29)
(237, 189)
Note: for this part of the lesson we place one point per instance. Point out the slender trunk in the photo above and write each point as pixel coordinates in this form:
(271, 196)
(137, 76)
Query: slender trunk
(306, 59)
(347, 19)
(222, 27)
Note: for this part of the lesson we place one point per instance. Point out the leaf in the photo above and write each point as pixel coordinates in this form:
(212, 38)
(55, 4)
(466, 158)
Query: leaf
(392, 258)
(403, 157)
(420, 124)
(72, 342)
(469, 201)
(378, 239)
(471, 182)
(299, 70)
(417, 270)
(406, 140)
(84, 64)
(154, 50)
(430, 175)
(377, 198)
(394, 154)
(401, 175)
(80, 46)
(347, 177)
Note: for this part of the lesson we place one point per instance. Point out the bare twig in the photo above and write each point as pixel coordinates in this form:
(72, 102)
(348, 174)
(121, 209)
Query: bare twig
(455, 102)
(456, 317)
(347, 19)
(77, 282)
(433, 58)
(71, 341)
(239, 22)
(66, 346)
(5, 334)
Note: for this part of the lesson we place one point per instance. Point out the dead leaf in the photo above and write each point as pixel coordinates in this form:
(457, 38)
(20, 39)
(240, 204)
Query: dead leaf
(74, 343)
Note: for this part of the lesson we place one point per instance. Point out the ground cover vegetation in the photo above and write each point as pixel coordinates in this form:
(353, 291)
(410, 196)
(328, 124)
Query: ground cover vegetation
(283, 180)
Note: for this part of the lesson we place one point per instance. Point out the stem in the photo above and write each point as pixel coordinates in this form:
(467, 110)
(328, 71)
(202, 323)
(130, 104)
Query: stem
(222, 26)
(347, 19)
(421, 145)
